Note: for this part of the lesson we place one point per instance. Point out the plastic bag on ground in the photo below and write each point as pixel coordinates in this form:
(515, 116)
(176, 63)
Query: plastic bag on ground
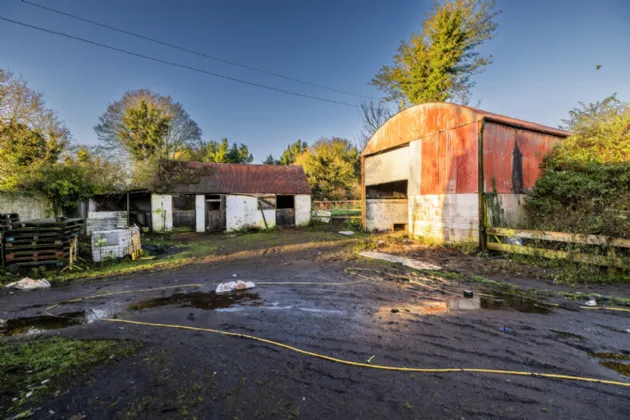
(232, 286)
(28, 284)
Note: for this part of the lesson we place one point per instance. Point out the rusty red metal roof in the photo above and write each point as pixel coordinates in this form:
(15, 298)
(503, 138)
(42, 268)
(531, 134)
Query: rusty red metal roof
(424, 120)
(233, 178)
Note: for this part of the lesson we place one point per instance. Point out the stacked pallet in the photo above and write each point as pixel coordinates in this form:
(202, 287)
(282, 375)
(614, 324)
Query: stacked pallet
(39, 242)
(6, 219)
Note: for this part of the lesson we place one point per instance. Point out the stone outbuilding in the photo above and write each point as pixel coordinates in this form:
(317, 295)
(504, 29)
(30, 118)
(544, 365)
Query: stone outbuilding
(427, 170)
(218, 197)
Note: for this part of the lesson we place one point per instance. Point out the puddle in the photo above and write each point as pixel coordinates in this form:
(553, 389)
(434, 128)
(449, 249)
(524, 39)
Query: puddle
(38, 324)
(201, 300)
(500, 300)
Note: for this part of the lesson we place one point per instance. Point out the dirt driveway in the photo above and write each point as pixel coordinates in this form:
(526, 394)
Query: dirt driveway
(181, 373)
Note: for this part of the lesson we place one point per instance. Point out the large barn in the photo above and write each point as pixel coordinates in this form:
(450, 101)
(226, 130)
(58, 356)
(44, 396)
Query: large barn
(426, 170)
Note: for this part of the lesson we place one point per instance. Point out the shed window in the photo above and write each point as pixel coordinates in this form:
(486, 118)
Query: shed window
(285, 201)
(392, 190)
(183, 202)
(267, 203)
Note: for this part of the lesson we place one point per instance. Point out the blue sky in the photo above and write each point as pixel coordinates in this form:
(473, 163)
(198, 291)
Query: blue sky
(545, 55)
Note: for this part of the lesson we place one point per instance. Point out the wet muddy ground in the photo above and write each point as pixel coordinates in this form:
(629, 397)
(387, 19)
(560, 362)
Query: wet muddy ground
(179, 373)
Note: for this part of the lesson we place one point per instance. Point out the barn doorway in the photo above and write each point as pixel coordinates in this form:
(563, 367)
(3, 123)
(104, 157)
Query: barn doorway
(215, 213)
(184, 212)
(285, 211)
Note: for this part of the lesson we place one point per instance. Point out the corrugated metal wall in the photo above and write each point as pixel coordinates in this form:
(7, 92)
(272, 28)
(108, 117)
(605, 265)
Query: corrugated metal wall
(512, 158)
(450, 161)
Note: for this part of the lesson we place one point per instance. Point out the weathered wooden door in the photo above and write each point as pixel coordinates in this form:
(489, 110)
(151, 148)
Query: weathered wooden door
(215, 213)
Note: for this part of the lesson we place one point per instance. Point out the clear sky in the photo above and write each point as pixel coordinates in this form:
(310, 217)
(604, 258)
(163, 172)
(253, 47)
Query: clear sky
(545, 55)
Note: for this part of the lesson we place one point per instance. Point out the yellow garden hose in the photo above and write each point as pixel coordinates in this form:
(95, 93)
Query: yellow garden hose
(371, 366)
(329, 358)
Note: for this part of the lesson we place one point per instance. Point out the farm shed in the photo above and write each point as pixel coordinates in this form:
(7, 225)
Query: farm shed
(427, 168)
(210, 197)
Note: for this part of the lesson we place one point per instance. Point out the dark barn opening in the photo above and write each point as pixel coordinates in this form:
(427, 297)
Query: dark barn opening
(285, 210)
(184, 212)
(215, 213)
(393, 190)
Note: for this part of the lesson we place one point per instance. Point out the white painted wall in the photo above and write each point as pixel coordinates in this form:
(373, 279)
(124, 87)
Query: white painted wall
(302, 210)
(161, 212)
(513, 212)
(382, 214)
(415, 168)
(387, 167)
(200, 213)
(445, 217)
(242, 212)
(29, 208)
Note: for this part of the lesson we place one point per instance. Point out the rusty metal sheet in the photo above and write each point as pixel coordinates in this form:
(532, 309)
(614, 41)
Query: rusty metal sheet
(420, 121)
(233, 178)
(450, 162)
(512, 157)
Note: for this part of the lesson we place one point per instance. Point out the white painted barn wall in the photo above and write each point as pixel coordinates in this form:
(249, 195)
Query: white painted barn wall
(384, 213)
(387, 167)
(242, 212)
(303, 208)
(200, 213)
(445, 217)
(161, 212)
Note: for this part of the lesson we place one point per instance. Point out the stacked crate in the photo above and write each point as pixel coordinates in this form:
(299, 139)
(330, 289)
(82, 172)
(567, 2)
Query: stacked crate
(6, 219)
(39, 242)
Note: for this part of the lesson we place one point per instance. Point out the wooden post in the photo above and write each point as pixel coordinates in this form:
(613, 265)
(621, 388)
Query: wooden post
(363, 198)
(263, 214)
(483, 239)
(128, 211)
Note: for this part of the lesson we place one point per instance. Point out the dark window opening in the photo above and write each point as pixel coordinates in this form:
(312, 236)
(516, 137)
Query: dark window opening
(115, 202)
(213, 197)
(285, 202)
(267, 203)
(213, 205)
(184, 202)
(399, 227)
(393, 190)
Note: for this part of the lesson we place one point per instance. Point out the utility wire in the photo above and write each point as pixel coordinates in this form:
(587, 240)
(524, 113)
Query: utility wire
(170, 63)
(177, 47)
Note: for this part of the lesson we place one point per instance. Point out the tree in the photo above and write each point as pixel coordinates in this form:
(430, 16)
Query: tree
(437, 65)
(601, 134)
(585, 187)
(270, 160)
(31, 135)
(373, 116)
(212, 151)
(146, 124)
(289, 155)
(332, 168)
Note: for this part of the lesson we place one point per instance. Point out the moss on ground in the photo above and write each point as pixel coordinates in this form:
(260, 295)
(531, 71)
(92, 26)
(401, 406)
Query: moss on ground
(31, 370)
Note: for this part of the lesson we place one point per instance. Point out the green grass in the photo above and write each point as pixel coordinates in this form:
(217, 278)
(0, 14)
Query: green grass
(344, 212)
(43, 367)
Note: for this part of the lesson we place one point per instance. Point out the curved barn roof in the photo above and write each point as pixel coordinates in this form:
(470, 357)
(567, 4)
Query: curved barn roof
(422, 120)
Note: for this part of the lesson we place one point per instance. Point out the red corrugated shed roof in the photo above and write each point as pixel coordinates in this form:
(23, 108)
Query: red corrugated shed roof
(502, 119)
(233, 178)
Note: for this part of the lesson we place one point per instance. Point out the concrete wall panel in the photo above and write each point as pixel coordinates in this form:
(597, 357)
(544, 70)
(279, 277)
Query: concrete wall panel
(29, 208)
(445, 217)
(200, 213)
(382, 214)
(302, 210)
(242, 212)
(162, 212)
(415, 167)
(387, 167)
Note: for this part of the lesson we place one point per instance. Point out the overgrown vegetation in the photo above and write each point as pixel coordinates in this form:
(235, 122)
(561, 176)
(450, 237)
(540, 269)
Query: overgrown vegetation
(586, 184)
(37, 368)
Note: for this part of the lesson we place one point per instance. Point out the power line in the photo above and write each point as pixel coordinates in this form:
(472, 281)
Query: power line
(170, 63)
(177, 47)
